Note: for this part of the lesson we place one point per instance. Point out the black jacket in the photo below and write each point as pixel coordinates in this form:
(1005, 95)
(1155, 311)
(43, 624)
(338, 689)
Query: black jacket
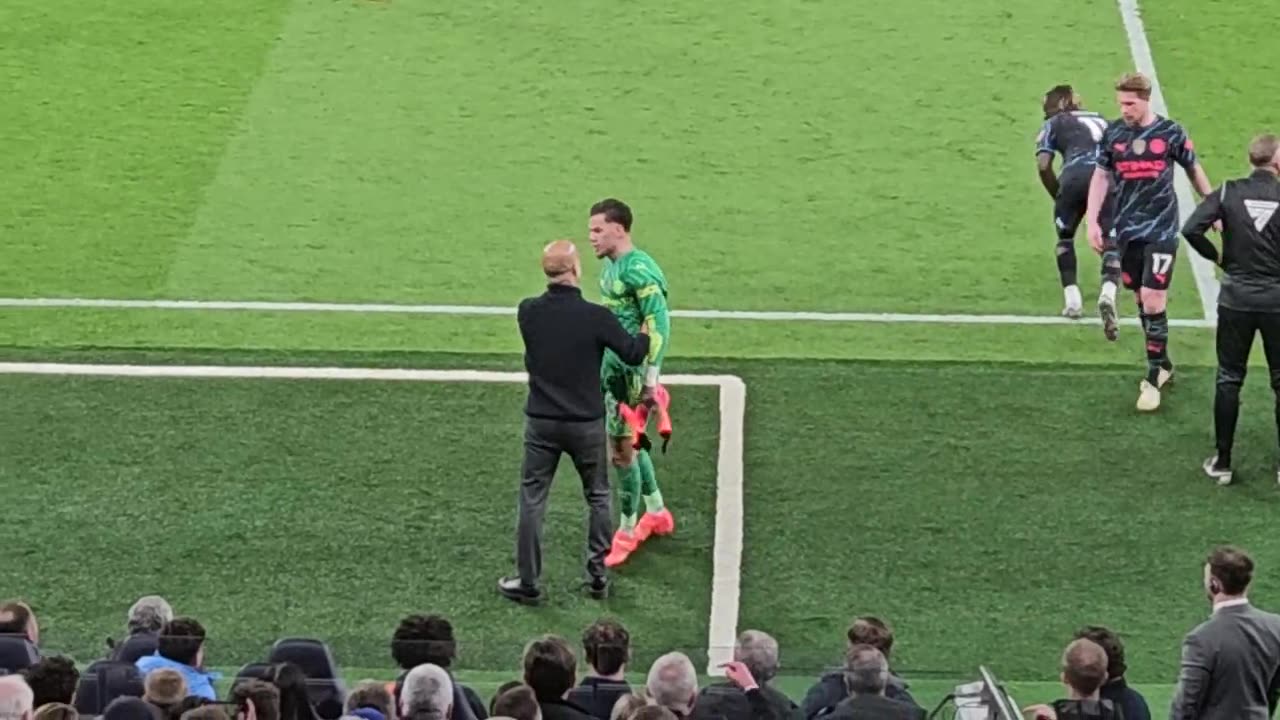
(1129, 701)
(562, 710)
(1249, 209)
(726, 700)
(564, 342)
(598, 696)
(830, 691)
(875, 707)
(1087, 710)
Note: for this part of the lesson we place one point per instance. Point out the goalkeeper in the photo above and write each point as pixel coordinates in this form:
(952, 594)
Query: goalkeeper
(633, 287)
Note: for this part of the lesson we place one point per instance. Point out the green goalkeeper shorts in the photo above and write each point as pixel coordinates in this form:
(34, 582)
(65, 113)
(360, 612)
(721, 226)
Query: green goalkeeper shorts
(620, 383)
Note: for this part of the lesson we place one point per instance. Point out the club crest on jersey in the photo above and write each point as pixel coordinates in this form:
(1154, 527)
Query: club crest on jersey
(1158, 146)
(1140, 146)
(1120, 147)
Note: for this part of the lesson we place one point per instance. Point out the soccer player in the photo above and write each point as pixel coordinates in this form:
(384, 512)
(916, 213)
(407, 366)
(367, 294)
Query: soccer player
(1074, 133)
(1137, 156)
(634, 288)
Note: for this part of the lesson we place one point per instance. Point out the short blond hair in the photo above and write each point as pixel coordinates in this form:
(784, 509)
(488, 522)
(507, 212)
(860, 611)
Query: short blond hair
(56, 711)
(1264, 149)
(1135, 82)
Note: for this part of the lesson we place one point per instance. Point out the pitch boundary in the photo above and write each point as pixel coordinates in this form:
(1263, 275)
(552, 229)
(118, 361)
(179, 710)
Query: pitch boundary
(507, 311)
(726, 577)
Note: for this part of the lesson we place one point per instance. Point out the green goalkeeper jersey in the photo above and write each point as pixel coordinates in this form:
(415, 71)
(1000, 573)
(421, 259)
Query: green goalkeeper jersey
(635, 290)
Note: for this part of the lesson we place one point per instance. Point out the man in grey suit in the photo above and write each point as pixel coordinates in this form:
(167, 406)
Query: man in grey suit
(1230, 662)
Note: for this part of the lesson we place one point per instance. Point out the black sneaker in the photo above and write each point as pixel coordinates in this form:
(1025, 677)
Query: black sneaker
(1107, 311)
(512, 589)
(597, 588)
(1219, 471)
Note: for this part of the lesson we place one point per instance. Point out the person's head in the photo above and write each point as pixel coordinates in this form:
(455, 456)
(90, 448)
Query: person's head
(626, 707)
(673, 683)
(427, 694)
(866, 671)
(1133, 94)
(132, 708)
(653, 712)
(871, 630)
(1060, 99)
(550, 668)
(501, 689)
(295, 702)
(759, 652)
(16, 698)
(371, 694)
(1264, 152)
(561, 264)
(56, 711)
(165, 687)
(1084, 668)
(423, 640)
(264, 696)
(609, 226)
(607, 646)
(518, 702)
(148, 615)
(52, 679)
(182, 640)
(1110, 644)
(16, 618)
(1227, 573)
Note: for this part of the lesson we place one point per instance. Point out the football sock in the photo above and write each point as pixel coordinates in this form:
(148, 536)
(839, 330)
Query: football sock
(1071, 296)
(629, 492)
(1157, 330)
(649, 483)
(1110, 271)
(1066, 251)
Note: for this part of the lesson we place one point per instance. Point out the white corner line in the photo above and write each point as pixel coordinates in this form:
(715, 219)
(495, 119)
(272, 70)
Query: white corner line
(726, 578)
(1140, 48)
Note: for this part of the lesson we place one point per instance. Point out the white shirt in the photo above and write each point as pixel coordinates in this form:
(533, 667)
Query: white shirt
(1230, 603)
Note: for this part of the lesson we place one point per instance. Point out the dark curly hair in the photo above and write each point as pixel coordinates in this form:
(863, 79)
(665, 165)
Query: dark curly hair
(52, 680)
(422, 639)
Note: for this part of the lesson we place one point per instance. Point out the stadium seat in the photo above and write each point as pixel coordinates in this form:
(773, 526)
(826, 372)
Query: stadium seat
(17, 653)
(315, 659)
(135, 646)
(104, 681)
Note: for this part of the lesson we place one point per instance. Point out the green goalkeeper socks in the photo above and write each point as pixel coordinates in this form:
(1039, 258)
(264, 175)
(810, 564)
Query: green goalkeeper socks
(628, 493)
(649, 483)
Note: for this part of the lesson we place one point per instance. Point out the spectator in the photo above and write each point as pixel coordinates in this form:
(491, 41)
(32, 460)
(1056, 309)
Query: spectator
(830, 688)
(1116, 689)
(147, 617)
(1084, 672)
(427, 694)
(165, 688)
(518, 703)
(56, 711)
(501, 689)
(673, 684)
(607, 647)
(181, 648)
(758, 652)
(626, 707)
(204, 712)
(550, 670)
(291, 682)
(52, 680)
(264, 697)
(866, 679)
(428, 640)
(17, 618)
(369, 694)
(190, 702)
(15, 698)
(131, 708)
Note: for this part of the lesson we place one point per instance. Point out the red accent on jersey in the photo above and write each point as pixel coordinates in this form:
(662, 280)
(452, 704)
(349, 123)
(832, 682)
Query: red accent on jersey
(1189, 145)
(1158, 146)
(1120, 147)
(1141, 169)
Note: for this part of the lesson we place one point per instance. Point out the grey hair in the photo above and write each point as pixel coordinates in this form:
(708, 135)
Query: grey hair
(16, 698)
(427, 693)
(759, 652)
(673, 683)
(149, 614)
(866, 671)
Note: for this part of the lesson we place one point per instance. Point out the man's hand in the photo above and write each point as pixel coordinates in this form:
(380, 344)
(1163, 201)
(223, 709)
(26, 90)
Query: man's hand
(1039, 712)
(1095, 236)
(649, 396)
(1217, 225)
(644, 328)
(739, 675)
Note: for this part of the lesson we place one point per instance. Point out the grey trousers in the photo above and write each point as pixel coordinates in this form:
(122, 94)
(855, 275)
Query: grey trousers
(586, 445)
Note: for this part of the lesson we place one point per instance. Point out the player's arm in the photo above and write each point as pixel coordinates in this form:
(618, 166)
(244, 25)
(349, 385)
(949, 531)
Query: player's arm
(630, 349)
(653, 307)
(1184, 154)
(1044, 159)
(1206, 215)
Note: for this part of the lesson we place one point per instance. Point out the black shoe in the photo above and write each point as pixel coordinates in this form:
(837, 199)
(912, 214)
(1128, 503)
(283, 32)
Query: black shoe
(512, 589)
(597, 588)
(1218, 470)
(1110, 326)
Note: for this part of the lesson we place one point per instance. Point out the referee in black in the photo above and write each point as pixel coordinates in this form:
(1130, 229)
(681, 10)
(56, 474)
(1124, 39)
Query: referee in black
(564, 341)
(1250, 298)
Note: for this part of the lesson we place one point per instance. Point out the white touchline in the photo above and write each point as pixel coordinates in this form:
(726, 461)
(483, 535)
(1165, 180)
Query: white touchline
(726, 574)
(1140, 48)
(510, 311)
